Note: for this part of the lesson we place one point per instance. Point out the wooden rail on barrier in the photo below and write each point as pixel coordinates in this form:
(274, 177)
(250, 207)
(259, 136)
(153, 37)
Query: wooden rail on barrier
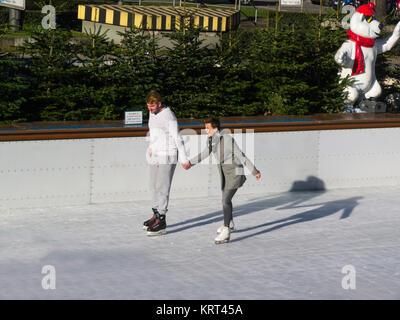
(117, 129)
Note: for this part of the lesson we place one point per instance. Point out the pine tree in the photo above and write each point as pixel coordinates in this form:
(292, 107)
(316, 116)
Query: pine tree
(233, 87)
(50, 54)
(137, 69)
(189, 82)
(293, 71)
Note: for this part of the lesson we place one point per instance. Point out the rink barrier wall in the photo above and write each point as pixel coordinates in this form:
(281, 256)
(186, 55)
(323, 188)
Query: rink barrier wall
(114, 129)
(86, 166)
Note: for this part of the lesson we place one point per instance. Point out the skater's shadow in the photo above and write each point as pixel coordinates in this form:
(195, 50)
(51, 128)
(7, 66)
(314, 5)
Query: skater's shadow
(292, 199)
(320, 210)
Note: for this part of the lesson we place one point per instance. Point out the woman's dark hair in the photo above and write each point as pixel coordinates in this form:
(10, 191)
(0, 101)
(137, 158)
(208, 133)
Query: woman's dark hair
(214, 122)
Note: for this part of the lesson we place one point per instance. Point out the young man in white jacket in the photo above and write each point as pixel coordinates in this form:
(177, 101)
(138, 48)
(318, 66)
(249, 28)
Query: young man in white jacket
(166, 147)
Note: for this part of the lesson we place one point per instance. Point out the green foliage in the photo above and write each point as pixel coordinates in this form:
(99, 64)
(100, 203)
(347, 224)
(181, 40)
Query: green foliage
(188, 67)
(293, 71)
(284, 70)
(137, 69)
(233, 84)
(51, 51)
(14, 90)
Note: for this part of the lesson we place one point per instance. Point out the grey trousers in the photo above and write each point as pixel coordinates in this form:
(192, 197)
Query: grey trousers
(160, 184)
(227, 196)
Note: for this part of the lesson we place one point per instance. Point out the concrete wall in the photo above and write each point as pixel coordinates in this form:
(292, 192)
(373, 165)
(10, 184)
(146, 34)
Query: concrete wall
(84, 171)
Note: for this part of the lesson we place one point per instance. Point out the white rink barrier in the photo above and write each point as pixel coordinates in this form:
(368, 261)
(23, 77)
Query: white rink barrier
(85, 171)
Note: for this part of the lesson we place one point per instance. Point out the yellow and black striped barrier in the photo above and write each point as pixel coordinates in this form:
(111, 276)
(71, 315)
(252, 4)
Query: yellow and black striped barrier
(163, 18)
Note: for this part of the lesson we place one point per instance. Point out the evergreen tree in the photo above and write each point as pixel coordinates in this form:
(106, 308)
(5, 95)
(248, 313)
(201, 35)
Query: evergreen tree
(137, 69)
(50, 53)
(285, 70)
(14, 90)
(233, 86)
(189, 66)
(94, 93)
(293, 71)
(13, 86)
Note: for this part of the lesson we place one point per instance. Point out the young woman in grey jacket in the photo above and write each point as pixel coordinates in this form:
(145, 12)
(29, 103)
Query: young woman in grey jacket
(230, 165)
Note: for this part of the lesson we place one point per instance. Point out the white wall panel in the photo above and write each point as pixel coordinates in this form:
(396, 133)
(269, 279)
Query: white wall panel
(364, 157)
(286, 144)
(82, 171)
(360, 141)
(42, 173)
(280, 174)
(44, 188)
(283, 158)
(119, 152)
(119, 170)
(119, 183)
(45, 154)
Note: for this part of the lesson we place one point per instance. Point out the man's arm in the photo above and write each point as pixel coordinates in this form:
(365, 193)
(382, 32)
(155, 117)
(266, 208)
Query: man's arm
(178, 140)
(152, 140)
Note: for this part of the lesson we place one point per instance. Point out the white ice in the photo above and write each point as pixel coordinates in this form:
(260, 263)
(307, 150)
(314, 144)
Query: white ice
(290, 245)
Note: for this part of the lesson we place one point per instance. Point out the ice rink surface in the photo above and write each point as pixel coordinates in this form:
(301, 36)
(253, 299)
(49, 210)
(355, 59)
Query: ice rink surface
(293, 245)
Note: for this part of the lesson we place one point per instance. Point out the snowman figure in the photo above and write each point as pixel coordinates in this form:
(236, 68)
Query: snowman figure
(357, 57)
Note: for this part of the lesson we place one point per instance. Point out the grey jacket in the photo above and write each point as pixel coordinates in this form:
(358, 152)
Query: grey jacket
(230, 160)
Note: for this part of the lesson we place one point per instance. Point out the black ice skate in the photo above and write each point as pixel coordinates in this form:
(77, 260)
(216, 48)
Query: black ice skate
(149, 222)
(158, 227)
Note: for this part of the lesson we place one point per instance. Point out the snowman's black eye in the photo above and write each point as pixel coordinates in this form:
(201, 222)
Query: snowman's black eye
(369, 18)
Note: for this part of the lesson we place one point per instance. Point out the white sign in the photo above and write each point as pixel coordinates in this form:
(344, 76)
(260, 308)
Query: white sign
(15, 4)
(291, 3)
(133, 117)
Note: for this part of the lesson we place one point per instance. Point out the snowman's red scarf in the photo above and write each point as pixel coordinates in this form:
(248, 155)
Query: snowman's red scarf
(359, 65)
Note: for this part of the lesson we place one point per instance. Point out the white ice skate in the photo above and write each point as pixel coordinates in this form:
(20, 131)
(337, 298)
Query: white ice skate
(231, 227)
(224, 236)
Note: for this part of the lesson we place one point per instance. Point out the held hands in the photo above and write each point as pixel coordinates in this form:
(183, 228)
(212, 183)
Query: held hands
(187, 165)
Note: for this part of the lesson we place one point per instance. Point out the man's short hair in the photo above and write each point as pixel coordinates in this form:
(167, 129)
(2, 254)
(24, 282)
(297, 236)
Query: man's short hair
(153, 97)
(214, 122)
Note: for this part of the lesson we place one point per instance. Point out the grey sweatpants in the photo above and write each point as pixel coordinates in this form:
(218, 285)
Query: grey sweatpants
(160, 184)
(227, 196)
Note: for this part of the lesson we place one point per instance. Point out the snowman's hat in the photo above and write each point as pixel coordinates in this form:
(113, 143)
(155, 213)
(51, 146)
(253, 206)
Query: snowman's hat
(367, 9)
